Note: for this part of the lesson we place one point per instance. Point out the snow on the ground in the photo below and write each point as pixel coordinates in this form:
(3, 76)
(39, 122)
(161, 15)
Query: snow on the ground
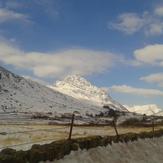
(142, 151)
(145, 109)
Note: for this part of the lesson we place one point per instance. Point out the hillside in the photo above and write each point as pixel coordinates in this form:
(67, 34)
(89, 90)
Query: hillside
(18, 94)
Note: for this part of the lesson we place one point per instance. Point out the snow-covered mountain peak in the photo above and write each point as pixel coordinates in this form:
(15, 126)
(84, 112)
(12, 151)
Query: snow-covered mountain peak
(149, 109)
(8, 79)
(5, 74)
(77, 81)
(79, 88)
(18, 94)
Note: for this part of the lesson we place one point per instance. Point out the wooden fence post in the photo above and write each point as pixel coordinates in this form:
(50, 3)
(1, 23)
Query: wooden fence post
(153, 126)
(71, 127)
(115, 127)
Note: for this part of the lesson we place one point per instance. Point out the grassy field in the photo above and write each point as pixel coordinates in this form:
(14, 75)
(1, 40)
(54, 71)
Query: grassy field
(23, 136)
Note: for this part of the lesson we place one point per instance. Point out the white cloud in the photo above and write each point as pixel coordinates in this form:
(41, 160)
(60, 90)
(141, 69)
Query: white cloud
(159, 11)
(136, 91)
(49, 7)
(150, 23)
(151, 54)
(156, 78)
(155, 28)
(57, 64)
(128, 23)
(7, 15)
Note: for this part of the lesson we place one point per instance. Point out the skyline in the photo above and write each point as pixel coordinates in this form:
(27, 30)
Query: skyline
(114, 44)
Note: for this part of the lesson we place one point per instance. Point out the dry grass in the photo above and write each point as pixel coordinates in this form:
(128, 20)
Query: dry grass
(10, 141)
(51, 132)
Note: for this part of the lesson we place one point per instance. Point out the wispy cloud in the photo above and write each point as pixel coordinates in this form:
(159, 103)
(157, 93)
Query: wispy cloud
(136, 91)
(128, 23)
(150, 23)
(50, 8)
(7, 15)
(154, 28)
(150, 54)
(156, 78)
(159, 11)
(58, 64)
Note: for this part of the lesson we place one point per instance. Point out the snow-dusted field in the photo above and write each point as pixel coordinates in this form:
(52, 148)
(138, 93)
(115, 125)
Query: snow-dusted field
(142, 151)
(23, 136)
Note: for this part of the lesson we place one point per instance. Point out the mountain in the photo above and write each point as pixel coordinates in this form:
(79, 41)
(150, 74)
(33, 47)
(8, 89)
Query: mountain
(145, 109)
(18, 94)
(79, 88)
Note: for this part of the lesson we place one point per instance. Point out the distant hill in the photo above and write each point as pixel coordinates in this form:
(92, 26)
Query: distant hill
(145, 109)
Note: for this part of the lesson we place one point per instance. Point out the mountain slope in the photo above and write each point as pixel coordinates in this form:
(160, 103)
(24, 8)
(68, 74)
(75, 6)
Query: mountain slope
(79, 88)
(23, 95)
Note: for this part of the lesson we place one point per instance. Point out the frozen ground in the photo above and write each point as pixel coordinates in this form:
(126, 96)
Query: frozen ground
(142, 151)
(23, 136)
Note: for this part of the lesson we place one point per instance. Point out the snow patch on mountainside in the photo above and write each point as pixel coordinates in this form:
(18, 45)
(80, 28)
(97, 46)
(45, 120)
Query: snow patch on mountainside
(145, 109)
(79, 88)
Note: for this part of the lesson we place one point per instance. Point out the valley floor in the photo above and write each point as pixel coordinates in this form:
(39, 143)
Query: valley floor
(22, 136)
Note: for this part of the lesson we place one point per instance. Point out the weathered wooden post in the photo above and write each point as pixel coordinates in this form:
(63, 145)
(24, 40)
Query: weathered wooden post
(71, 127)
(114, 114)
(115, 127)
(153, 126)
(153, 122)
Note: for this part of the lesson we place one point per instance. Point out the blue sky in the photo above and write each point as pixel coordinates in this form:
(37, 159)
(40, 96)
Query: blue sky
(115, 44)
